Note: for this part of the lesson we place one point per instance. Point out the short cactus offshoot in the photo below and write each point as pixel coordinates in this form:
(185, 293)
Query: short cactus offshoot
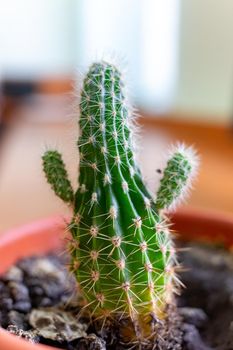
(122, 253)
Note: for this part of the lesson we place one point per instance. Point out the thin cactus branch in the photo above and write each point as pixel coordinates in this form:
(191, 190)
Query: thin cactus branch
(177, 177)
(57, 177)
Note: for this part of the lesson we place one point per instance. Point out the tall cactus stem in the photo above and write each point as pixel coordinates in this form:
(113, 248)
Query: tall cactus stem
(122, 257)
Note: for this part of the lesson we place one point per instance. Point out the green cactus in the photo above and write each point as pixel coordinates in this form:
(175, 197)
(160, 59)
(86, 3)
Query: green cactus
(176, 182)
(122, 254)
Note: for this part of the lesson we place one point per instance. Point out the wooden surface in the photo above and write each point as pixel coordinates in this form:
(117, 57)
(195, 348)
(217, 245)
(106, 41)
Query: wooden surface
(25, 195)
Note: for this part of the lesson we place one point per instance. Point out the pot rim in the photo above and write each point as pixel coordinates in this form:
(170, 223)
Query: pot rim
(207, 226)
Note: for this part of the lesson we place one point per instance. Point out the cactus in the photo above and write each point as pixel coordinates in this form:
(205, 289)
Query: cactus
(122, 254)
(176, 182)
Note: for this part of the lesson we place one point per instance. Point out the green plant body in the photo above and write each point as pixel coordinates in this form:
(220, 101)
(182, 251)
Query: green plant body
(122, 254)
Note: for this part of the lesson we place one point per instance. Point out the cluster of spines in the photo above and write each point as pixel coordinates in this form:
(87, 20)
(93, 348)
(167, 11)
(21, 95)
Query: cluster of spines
(122, 253)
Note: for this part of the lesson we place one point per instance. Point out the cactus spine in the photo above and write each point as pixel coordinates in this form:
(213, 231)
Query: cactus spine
(122, 252)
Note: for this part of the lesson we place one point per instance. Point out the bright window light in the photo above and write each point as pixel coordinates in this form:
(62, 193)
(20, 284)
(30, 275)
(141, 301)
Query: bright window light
(144, 34)
(159, 47)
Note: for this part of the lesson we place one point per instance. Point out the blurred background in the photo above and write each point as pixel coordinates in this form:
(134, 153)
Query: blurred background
(178, 60)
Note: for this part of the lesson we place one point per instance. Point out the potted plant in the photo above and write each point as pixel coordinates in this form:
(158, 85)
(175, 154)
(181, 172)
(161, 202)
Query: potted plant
(121, 247)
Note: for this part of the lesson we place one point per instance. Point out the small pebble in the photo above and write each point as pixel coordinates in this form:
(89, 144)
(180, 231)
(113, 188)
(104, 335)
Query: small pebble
(14, 274)
(56, 324)
(18, 291)
(91, 342)
(46, 302)
(194, 316)
(22, 306)
(6, 304)
(36, 291)
(51, 289)
(192, 338)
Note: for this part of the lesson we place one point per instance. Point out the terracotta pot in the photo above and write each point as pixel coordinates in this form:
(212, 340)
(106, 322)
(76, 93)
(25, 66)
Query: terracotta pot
(45, 235)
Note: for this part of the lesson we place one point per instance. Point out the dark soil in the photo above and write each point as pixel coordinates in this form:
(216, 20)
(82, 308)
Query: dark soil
(37, 303)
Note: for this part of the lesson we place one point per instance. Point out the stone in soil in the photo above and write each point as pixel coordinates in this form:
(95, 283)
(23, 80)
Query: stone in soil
(57, 324)
(194, 316)
(192, 338)
(91, 342)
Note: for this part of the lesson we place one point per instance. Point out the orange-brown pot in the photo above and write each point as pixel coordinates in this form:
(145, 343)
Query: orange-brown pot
(45, 235)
